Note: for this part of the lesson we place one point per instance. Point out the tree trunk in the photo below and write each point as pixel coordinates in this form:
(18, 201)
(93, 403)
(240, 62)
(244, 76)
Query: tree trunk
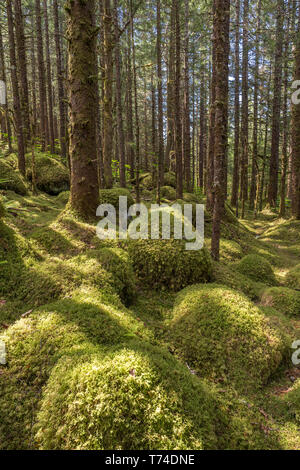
(49, 81)
(3, 78)
(221, 46)
(236, 165)
(15, 88)
(177, 110)
(186, 147)
(160, 178)
(296, 137)
(82, 97)
(245, 110)
(274, 160)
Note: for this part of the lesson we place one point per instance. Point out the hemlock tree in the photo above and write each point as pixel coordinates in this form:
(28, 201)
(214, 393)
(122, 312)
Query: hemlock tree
(82, 82)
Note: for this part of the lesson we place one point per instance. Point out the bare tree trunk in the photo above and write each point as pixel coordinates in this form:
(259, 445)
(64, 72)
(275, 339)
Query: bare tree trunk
(236, 165)
(160, 176)
(3, 78)
(296, 136)
(186, 105)
(177, 110)
(245, 110)
(49, 80)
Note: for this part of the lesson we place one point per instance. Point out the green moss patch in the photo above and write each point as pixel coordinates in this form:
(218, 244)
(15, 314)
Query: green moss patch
(285, 300)
(227, 276)
(11, 179)
(111, 196)
(169, 193)
(222, 335)
(166, 264)
(256, 268)
(52, 177)
(292, 278)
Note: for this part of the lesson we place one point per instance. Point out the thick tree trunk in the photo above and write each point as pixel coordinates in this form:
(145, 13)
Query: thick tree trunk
(186, 144)
(296, 137)
(245, 110)
(211, 142)
(221, 46)
(177, 110)
(82, 97)
(160, 179)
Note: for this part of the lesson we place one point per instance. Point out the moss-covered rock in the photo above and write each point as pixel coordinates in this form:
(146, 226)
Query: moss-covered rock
(11, 179)
(166, 264)
(64, 197)
(256, 268)
(170, 179)
(111, 196)
(131, 398)
(292, 400)
(292, 278)
(52, 177)
(169, 193)
(285, 300)
(224, 337)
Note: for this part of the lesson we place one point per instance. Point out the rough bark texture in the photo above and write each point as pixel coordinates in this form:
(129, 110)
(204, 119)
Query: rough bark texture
(3, 78)
(186, 147)
(82, 98)
(245, 110)
(160, 179)
(49, 80)
(221, 40)
(177, 110)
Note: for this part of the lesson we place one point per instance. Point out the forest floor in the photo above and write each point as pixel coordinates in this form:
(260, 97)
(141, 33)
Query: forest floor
(55, 240)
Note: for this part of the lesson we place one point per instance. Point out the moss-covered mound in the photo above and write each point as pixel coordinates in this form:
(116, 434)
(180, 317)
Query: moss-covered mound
(292, 399)
(111, 196)
(169, 193)
(191, 198)
(2, 210)
(52, 177)
(222, 335)
(226, 276)
(131, 398)
(10, 179)
(256, 268)
(285, 300)
(166, 264)
(170, 179)
(64, 197)
(292, 279)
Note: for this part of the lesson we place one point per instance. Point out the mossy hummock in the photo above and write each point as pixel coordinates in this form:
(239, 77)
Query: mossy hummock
(52, 177)
(224, 337)
(11, 179)
(287, 301)
(257, 268)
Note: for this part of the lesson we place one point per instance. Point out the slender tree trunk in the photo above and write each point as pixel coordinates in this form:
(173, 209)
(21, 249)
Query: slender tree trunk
(274, 160)
(42, 83)
(236, 165)
(15, 88)
(108, 95)
(22, 67)
(49, 80)
(130, 137)
(221, 46)
(186, 104)
(121, 137)
(296, 136)
(3, 78)
(177, 111)
(255, 111)
(211, 142)
(245, 110)
(170, 90)
(160, 178)
(82, 97)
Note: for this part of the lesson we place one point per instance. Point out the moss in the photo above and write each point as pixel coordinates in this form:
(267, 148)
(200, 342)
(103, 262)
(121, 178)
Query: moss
(191, 198)
(166, 264)
(292, 399)
(111, 196)
(169, 193)
(256, 268)
(283, 299)
(222, 335)
(11, 179)
(64, 197)
(52, 177)
(292, 278)
(2, 210)
(170, 179)
(131, 398)
(229, 277)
